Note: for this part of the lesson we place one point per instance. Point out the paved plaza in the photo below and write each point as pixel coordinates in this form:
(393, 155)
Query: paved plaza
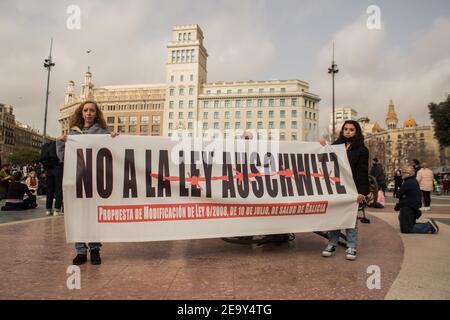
(35, 256)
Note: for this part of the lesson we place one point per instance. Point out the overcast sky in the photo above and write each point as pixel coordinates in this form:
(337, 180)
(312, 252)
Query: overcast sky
(407, 60)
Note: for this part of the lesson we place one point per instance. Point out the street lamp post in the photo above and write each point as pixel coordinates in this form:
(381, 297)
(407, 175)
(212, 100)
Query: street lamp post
(48, 64)
(333, 70)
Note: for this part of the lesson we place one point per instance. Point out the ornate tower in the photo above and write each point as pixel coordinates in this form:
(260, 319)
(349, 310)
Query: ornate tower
(186, 73)
(391, 118)
(70, 92)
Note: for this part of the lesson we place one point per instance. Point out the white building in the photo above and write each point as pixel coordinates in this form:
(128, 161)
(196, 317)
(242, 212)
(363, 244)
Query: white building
(199, 108)
(341, 115)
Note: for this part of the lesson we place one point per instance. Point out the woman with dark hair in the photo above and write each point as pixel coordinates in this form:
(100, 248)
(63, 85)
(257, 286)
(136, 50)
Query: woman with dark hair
(358, 157)
(87, 119)
(16, 192)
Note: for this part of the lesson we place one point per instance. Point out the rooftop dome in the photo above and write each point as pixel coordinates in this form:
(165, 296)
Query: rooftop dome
(409, 122)
(376, 128)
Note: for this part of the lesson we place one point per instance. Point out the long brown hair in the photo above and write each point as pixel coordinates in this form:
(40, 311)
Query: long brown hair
(77, 118)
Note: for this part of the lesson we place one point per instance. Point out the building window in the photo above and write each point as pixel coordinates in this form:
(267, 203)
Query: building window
(216, 125)
(170, 125)
(294, 137)
(216, 115)
(260, 102)
(261, 90)
(238, 103)
(282, 113)
(294, 124)
(121, 119)
(121, 129)
(189, 36)
(249, 103)
(294, 102)
(249, 114)
(171, 92)
(181, 91)
(171, 104)
(282, 125)
(229, 91)
(238, 115)
(205, 104)
(181, 78)
(239, 91)
(227, 125)
(208, 91)
(191, 77)
(179, 37)
(205, 115)
(155, 128)
(306, 114)
(271, 125)
(216, 103)
(171, 78)
(156, 119)
(180, 104)
(170, 115)
(205, 125)
(238, 125)
(283, 89)
(191, 104)
(260, 125)
(133, 120)
(144, 128)
(248, 125)
(282, 136)
(271, 114)
(271, 101)
(227, 103)
(189, 125)
(218, 91)
(190, 115)
(110, 120)
(191, 91)
(282, 102)
(294, 114)
(260, 114)
(271, 90)
(250, 90)
(227, 115)
(192, 55)
(180, 115)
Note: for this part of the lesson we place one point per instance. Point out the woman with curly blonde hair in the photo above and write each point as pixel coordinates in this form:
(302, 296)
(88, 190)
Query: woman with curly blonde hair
(87, 119)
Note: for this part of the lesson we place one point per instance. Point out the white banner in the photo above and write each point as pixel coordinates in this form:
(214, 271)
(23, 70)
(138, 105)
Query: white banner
(132, 188)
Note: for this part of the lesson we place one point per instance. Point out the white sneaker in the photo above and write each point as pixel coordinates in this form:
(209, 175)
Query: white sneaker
(48, 213)
(329, 251)
(58, 213)
(350, 254)
(426, 209)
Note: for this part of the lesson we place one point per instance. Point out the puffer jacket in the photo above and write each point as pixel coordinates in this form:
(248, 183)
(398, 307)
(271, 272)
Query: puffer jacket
(425, 178)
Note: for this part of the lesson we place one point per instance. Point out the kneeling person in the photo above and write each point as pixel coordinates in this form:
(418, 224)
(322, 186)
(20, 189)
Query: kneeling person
(410, 200)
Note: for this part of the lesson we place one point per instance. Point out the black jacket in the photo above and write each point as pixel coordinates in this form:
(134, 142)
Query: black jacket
(358, 157)
(378, 173)
(409, 194)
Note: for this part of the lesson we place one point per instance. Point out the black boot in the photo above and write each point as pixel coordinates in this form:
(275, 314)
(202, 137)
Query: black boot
(95, 257)
(80, 259)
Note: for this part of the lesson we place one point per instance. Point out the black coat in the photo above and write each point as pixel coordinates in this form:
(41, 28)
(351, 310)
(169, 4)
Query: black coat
(358, 157)
(409, 194)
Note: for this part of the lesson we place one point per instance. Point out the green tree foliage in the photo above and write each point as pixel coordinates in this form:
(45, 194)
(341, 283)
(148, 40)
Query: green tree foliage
(24, 155)
(440, 114)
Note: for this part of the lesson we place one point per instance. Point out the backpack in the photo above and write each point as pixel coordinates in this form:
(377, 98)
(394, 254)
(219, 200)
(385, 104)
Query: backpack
(49, 158)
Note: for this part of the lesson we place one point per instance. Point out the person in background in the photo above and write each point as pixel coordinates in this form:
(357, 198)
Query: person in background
(87, 119)
(377, 172)
(416, 166)
(397, 181)
(358, 157)
(409, 202)
(32, 181)
(381, 201)
(5, 180)
(445, 185)
(425, 178)
(16, 192)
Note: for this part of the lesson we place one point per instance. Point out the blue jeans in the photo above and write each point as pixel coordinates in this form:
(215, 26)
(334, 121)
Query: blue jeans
(81, 247)
(352, 237)
(421, 228)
